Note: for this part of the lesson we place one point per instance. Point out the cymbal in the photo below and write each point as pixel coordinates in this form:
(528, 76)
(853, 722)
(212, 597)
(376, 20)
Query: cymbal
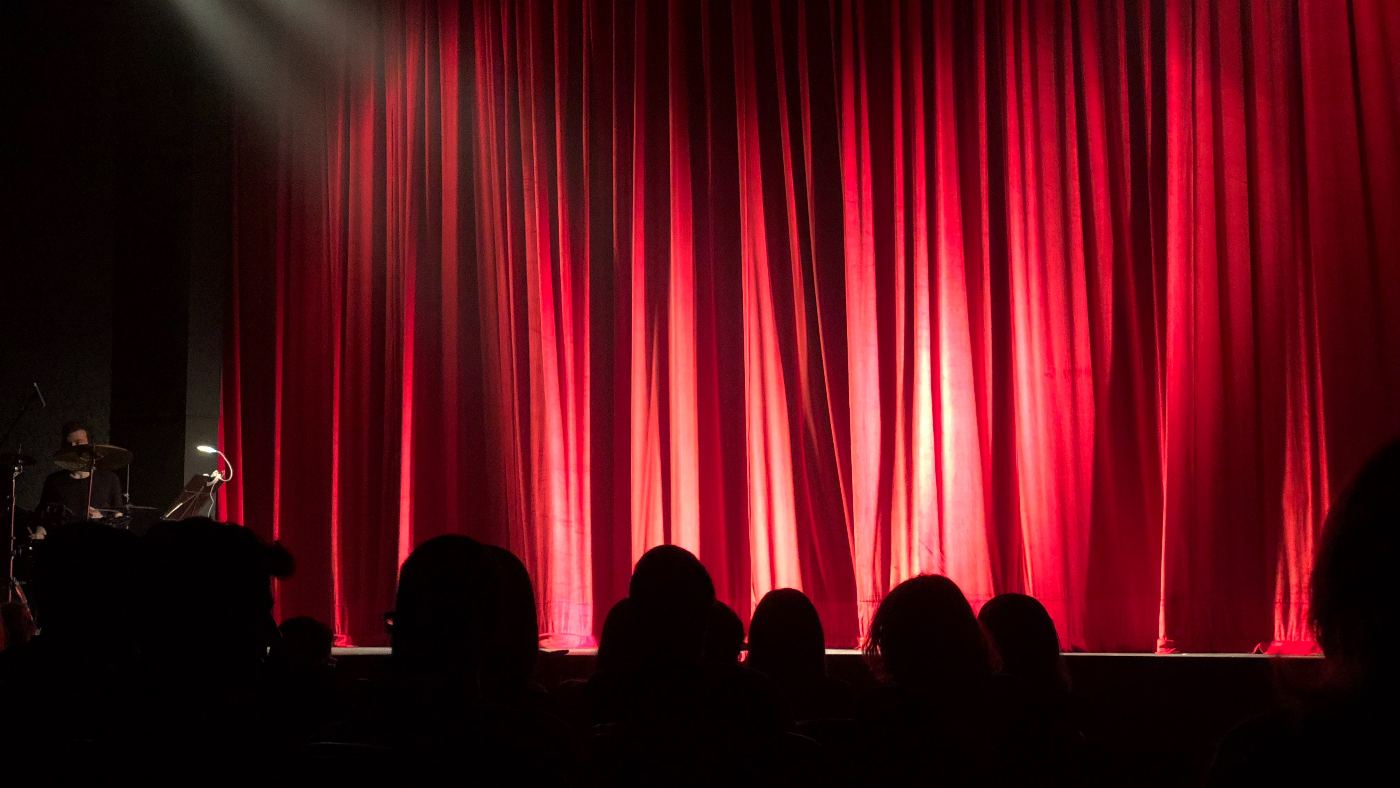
(10, 459)
(83, 457)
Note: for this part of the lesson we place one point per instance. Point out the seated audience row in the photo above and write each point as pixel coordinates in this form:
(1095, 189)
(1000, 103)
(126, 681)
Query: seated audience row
(160, 654)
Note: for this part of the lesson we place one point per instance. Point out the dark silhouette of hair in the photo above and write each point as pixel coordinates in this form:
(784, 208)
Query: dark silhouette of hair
(724, 635)
(205, 627)
(788, 647)
(298, 683)
(70, 427)
(1025, 639)
(468, 610)
(464, 641)
(208, 592)
(513, 645)
(304, 643)
(607, 694)
(1353, 606)
(924, 634)
(671, 595)
(649, 657)
(1038, 723)
(785, 637)
(70, 681)
(937, 717)
(1340, 732)
(83, 585)
(673, 705)
(617, 644)
(447, 607)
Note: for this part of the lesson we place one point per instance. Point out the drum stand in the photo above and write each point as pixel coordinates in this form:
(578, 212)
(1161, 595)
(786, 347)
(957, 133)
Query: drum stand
(13, 590)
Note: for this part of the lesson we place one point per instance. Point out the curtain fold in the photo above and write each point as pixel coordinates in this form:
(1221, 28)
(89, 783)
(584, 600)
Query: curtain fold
(1096, 301)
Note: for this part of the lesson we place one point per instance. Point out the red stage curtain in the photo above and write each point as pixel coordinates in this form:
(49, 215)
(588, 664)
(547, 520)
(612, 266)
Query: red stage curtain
(1098, 301)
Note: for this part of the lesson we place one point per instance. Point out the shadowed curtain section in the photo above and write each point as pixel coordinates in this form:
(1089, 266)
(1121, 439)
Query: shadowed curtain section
(1096, 301)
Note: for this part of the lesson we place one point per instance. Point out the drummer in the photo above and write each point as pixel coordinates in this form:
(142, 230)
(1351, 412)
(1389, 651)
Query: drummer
(69, 488)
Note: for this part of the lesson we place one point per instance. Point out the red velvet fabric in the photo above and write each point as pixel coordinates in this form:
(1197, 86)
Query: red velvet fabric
(1097, 301)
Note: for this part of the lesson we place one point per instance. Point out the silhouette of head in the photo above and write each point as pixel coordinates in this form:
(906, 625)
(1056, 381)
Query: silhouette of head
(671, 596)
(305, 643)
(84, 585)
(1353, 597)
(618, 649)
(924, 633)
(1024, 636)
(447, 607)
(514, 642)
(724, 635)
(208, 593)
(785, 637)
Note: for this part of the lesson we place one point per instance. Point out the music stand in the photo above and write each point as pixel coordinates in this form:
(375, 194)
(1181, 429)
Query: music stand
(197, 499)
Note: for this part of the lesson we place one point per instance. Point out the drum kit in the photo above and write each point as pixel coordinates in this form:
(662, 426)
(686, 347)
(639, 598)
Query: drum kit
(26, 535)
(28, 528)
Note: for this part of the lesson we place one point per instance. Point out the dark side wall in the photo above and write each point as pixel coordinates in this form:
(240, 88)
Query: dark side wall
(115, 236)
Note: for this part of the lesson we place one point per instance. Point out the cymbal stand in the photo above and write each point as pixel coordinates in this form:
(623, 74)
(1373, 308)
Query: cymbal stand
(92, 475)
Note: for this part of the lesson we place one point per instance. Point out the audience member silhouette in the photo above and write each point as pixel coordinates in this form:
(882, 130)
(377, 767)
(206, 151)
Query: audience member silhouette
(299, 682)
(649, 661)
(672, 596)
(1026, 642)
(925, 637)
(937, 716)
(677, 717)
(606, 696)
(205, 628)
(304, 644)
(463, 651)
(207, 600)
(150, 649)
(68, 689)
(1353, 604)
(444, 609)
(1346, 732)
(82, 590)
(787, 644)
(191, 670)
(618, 649)
(513, 642)
(1040, 726)
(724, 636)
